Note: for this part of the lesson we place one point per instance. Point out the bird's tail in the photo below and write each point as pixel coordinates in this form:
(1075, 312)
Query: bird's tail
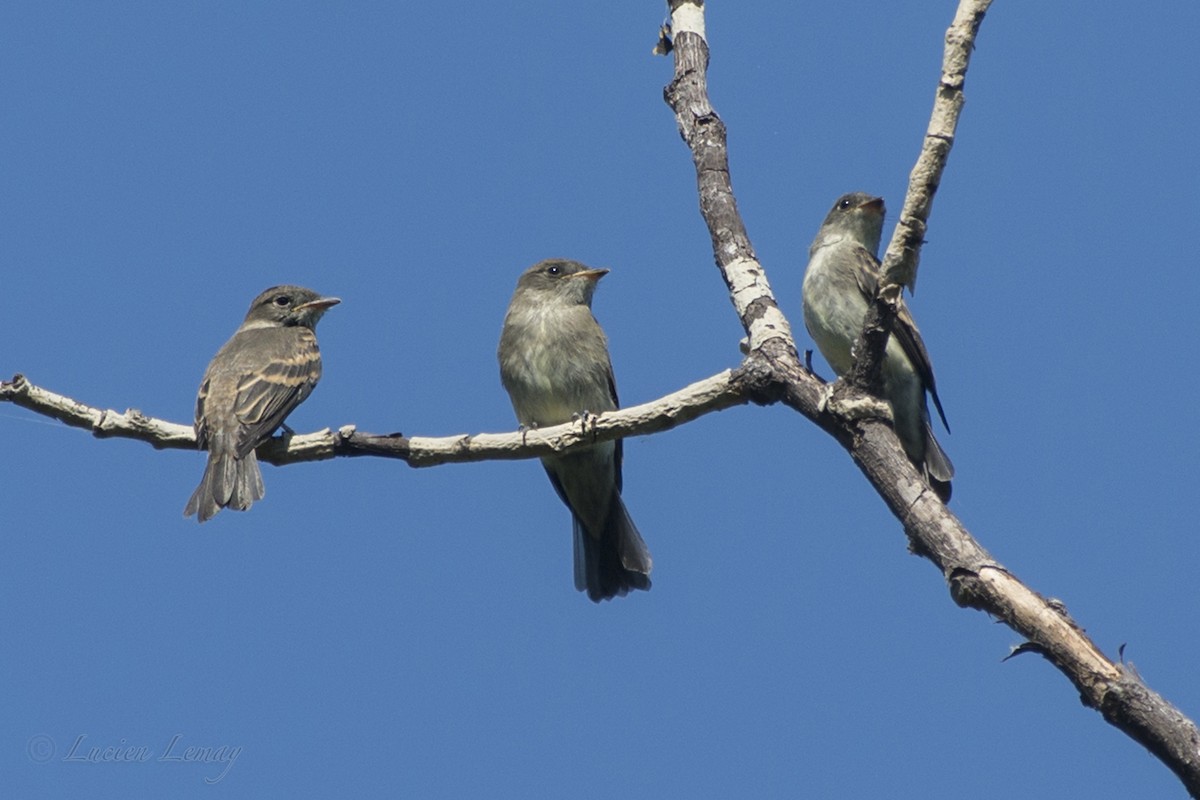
(617, 561)
(228, 482)
(938, 469)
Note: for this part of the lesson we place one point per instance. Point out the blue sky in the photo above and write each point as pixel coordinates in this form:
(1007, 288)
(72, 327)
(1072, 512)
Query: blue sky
(372, 630)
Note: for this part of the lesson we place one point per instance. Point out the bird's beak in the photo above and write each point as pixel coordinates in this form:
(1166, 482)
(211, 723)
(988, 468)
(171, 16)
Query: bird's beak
(875, 203)
(320, 304)
(590, 274)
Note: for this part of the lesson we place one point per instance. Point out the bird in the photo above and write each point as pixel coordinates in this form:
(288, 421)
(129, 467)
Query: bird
(269, 366)
(839, 284)
(555, 366)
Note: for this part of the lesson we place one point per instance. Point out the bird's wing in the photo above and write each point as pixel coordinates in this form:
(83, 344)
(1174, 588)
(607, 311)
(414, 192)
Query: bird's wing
(619, 451)
(266, 396)
(866, 272)
(201, 423)
(904, 329)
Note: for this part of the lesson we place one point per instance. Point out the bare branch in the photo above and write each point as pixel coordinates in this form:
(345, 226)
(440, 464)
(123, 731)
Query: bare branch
(704, 132)
(103, 423)
(903, 253)
(976, 580)
(721, 391)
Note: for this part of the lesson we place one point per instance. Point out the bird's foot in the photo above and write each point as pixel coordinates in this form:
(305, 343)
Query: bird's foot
(524, 430)
(587, 422)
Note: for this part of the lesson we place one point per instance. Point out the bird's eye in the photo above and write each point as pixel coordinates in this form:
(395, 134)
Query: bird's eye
(282, 300)
(554, 269)
(844, 204)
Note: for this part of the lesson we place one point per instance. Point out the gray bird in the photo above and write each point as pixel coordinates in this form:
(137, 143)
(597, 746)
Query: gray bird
(254, 381)
(841, 280)
(555, 366)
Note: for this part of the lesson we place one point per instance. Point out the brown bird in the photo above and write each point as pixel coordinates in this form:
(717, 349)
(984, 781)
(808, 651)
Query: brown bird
(254, 381)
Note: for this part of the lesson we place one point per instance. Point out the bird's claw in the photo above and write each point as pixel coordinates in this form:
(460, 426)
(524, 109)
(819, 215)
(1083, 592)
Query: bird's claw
(585, 419)
(525, 429)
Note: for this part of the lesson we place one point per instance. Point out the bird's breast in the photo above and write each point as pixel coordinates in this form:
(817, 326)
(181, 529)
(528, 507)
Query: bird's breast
(555, 365)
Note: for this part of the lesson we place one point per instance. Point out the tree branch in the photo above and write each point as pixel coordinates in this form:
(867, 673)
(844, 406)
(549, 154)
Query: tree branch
(704, 133)
(903, 254)
(721, 391)
(975, 579)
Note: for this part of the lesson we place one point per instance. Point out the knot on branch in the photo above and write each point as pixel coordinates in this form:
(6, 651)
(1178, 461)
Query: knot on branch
(18, 385)
(759, 380)
(848, 402)
(966, 588)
